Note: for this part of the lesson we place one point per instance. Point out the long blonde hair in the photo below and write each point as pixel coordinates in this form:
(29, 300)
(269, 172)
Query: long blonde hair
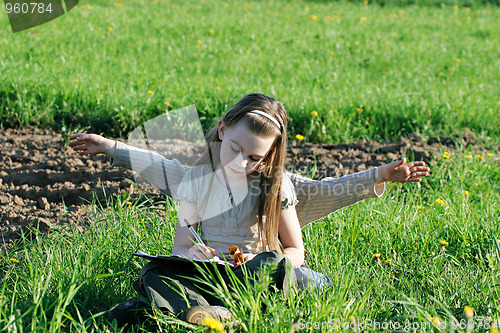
(272, 166)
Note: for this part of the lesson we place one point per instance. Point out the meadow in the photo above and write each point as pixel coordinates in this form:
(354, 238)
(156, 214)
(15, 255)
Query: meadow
(417, 258)
(370, 71)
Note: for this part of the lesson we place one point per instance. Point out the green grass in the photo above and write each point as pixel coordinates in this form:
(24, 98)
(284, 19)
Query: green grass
(433, 69)
(71, 279)
(370, 71)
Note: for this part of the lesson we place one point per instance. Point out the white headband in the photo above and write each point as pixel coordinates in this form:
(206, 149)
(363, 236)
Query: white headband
(268, 116)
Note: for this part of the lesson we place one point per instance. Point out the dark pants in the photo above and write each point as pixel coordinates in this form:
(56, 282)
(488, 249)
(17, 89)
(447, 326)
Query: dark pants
(169, 285)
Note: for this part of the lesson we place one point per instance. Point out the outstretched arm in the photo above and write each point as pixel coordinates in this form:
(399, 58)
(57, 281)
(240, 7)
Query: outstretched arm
(164, 174)
(320, 198)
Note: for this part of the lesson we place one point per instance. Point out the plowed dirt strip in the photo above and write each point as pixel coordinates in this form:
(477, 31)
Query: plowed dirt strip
(45, 185)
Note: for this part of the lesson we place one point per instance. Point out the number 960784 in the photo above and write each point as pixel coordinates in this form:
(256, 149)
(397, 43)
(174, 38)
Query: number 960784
(28, 8)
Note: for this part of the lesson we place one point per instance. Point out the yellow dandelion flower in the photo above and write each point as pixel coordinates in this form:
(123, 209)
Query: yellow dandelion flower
(117, 4)
(435, 321)
(76, 80)
(199, 42)
(421, 207)
(15, 261)
(356, 42)
(218, 88)
(129, 203)
(365, 2)
(226, 5)
(468, 312)
(70, 58)
(455, 7)
(490, 155)
(314, 17)
(314, 113)
(466, 192)
(441, 74)
(299, 137)
(150, 92)
(469, 18)
(331, 53)
(444, 243)
(458, 60)
(393, 15)
(363, 18)
(440, 202)
(417, 195)
(194, 54)
(359, 109)
(110, 29)
(480, 156)
(388, 261)
(89, 7)
(468, 156)
(213, 324)
(306, 9)
(493, 330)
(376, 255)
(212, 32)
(167, 103)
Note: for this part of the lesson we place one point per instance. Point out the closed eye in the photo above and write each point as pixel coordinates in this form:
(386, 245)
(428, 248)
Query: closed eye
(254, 159)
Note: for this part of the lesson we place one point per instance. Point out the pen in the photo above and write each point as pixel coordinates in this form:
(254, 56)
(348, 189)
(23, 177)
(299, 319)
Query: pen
(195, 234)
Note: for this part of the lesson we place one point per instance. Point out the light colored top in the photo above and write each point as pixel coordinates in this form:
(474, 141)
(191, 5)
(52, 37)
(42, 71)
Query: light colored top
(316, 198)
(222, 224)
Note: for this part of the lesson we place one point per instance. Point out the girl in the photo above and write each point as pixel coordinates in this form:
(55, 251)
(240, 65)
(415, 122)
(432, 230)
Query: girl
(237, 194)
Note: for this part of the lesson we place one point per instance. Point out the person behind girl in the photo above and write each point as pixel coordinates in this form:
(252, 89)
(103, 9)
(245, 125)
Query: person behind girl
(237, 194)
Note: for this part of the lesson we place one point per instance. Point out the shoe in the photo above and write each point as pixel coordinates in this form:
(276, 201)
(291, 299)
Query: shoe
(130, 312)
(195, 314)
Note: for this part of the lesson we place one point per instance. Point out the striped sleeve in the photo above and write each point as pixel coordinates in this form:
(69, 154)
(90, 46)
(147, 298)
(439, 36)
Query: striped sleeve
(162, 173)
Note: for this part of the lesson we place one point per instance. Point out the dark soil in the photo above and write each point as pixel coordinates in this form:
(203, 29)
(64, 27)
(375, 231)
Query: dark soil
(45, 185)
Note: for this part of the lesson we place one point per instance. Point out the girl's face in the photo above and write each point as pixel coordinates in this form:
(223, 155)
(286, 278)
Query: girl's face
(242, 151)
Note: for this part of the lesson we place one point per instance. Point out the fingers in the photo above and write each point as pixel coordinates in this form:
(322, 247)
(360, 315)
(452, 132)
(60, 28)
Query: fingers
(419, 174)
(201, 251)
(417, 169)
(79, 139)
(79, 136)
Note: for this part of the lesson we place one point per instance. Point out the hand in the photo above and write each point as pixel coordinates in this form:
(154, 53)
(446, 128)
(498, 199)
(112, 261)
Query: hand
(248, 256)
(87, 144)
(201, 251)
(402, 172)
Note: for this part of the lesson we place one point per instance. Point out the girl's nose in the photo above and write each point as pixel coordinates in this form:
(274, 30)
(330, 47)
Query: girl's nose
(241, 162)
